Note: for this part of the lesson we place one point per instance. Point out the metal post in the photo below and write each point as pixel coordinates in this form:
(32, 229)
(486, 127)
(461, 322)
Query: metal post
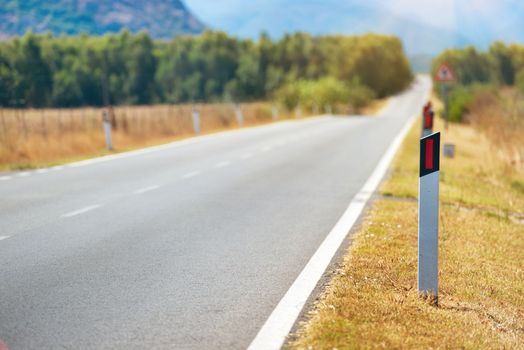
(274, 112)
(298, 111)
(107, 129)
(239, 116)
(444, 90)
(428, 210)
(196, 119)
(427, 120)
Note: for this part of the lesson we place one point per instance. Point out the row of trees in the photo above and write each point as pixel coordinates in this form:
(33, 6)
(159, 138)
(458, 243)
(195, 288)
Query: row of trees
(45, 71)
(479, 72)
(501, 64)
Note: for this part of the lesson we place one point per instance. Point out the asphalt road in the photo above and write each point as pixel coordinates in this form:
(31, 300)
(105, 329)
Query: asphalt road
(189, 246)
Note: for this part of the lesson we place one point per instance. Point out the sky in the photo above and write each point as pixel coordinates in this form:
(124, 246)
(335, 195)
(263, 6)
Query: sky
(425, 26)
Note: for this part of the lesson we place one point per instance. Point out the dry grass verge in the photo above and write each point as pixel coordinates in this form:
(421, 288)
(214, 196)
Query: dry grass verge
(372, 301)
(31, 138)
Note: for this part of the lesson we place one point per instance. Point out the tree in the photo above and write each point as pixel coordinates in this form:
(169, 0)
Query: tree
(33, 73)
(141, 65)
(503, 63)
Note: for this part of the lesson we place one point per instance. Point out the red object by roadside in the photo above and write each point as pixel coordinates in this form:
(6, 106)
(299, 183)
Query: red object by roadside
(428, 116)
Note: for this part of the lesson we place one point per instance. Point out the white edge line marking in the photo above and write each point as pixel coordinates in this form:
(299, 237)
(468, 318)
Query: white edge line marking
(273, 333)
(223, 164)
(24, 174)
(146, 189)
(81, 211)
(58, 167)
(5, 178)
(4, 237)
(191, 174)
(42, 171)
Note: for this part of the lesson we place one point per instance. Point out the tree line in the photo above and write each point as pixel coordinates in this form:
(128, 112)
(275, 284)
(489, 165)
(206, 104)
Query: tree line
(501, 64)
(125, 68)
(480, 71)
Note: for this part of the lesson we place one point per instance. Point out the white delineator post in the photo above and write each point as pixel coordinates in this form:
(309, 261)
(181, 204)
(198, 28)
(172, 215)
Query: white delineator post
(239, 115)
(196, 119)
(107, 130)
(428, 214)
(274, 112)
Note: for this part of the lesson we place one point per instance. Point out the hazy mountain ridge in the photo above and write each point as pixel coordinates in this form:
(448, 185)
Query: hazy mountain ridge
(161, 18)
(425, 27)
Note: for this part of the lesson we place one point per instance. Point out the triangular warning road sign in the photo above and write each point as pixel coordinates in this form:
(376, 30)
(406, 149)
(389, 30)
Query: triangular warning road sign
(445, 73)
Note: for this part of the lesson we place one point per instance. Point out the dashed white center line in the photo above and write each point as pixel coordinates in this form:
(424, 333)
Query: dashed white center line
(223, 164)
(24, 174)
(246, 156)
(5, 178)
(146, 189)
(81, 211)
(4, 237)
(191, 174)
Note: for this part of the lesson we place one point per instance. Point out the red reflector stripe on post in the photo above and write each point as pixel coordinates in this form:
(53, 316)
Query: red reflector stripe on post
(429, 154)
(427, 122)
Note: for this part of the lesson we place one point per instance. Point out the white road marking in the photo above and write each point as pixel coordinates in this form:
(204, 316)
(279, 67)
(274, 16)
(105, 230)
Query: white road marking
(146, 189)
(24, 174)
(273, 333)
(4, 237)
(81, 211)
(58, 167)
(5, 178)
(246, 156)
(223, 164)
(42, 171)
(191, 174)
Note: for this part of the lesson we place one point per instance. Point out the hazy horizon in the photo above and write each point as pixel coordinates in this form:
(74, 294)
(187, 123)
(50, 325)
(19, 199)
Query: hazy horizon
(425, 27)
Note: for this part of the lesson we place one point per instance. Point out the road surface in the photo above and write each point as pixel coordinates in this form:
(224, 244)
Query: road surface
(187, 246)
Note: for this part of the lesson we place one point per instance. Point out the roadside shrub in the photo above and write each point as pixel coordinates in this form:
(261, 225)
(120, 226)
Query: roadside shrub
(459, 100)
(324, 92)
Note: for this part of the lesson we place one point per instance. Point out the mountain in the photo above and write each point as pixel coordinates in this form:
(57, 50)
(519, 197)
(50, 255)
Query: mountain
(161, 18)
(425, 26)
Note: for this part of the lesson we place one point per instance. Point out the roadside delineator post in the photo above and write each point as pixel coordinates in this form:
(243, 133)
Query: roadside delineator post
(298, 111)
(427, 119)
(428, 213)
(239, 115)
(107, 129)
(274, 112)
(196, 119)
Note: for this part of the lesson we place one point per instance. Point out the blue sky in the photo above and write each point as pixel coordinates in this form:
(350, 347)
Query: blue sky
(426, 26)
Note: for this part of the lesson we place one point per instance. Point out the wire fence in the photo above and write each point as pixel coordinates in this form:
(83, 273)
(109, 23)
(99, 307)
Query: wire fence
(28, 135)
